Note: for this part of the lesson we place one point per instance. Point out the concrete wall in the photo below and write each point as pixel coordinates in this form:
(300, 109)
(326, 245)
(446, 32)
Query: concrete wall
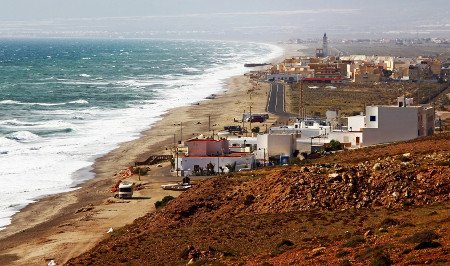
(347, 137)
(274, 145)
(355, 123)
(207, 147)
(186, 163)
(428, 118)
(394, 124)
(371, 111)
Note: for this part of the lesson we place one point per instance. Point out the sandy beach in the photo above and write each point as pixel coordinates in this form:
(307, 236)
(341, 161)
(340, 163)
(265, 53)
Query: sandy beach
(65, 225)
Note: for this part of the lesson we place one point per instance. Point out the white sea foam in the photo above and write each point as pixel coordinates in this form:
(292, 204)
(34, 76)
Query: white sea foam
(81, 101)
(9, 102)
(23, 136)
(51, 162)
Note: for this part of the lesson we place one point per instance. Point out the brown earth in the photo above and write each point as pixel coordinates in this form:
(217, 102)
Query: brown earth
(351, 98)
(383, 204)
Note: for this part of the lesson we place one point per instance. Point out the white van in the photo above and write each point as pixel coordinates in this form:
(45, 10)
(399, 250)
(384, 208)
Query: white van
(125, 190)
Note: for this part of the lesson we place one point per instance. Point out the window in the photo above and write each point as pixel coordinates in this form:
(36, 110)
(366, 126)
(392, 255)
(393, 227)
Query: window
(373, 118)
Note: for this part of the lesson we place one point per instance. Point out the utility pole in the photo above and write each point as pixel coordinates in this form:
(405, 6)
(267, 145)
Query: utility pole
(209, 123)
(243, 120)
(301, 109)
(250, 119)
(176, 150)
(181, 133)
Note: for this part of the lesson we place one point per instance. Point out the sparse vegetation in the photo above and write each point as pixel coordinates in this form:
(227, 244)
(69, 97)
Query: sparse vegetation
(162, 203)
(342, 253)
(424, 236)
(249, 200)
(140, 170)
(381, 260)
(354, 241)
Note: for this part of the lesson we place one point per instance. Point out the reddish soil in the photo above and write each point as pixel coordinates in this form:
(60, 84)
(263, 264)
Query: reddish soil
(379, 205)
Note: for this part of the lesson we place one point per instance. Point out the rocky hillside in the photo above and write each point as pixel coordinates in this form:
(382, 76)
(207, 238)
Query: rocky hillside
(384, 204)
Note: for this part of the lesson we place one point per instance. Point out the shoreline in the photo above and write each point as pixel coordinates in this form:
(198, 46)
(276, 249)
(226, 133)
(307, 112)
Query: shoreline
(64, 225)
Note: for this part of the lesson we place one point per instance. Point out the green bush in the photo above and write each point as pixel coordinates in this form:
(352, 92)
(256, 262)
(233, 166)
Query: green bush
(342, 253)
(140, 170)
(161, 203)
(423, 236)
(255, 130)
(335, 145)
(354, 241)
(381, 260)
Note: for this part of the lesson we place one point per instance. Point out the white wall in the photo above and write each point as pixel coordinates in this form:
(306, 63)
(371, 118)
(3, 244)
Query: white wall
(347, 137)
(371, 111)
(186, 163)
(355, 123)
(275, 145)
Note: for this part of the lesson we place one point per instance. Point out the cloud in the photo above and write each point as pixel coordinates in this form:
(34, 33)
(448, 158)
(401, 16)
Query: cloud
(227, 14)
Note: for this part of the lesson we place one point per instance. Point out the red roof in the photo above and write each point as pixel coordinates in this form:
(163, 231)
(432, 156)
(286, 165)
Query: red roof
(320, 79)
(212, 156)
(205, 140)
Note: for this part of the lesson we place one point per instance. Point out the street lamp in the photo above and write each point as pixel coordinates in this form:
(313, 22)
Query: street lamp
(181, 131)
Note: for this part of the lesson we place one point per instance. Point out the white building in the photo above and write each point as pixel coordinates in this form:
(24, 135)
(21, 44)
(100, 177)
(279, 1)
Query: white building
(284, 77)
(274, 145)
(383, 124)
(188, 164)
(304, 129)
(201, 152)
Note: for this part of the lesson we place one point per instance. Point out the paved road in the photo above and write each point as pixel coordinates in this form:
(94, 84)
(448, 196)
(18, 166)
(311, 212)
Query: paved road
(275, 101)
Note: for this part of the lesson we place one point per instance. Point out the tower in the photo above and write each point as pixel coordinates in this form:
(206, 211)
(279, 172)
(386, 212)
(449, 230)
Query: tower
(325, 45)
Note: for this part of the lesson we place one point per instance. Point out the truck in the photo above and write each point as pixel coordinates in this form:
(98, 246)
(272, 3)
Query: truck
(125, 190)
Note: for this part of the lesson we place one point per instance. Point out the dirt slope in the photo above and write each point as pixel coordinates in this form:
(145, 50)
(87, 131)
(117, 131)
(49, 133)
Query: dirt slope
(385, 204)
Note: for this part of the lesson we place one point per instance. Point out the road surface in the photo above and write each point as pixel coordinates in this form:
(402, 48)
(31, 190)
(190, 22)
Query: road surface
(276, 101)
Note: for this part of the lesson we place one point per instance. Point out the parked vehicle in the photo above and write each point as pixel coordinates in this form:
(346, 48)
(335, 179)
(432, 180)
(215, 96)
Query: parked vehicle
(233, 129)
(125, 190)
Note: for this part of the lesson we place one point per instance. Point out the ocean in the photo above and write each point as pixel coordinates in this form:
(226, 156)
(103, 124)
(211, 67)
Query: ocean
(65, 102)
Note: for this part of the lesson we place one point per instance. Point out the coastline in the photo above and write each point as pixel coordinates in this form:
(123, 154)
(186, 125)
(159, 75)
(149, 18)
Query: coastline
(64, 225)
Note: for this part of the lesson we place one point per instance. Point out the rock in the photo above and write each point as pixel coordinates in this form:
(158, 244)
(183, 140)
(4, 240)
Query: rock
(382, 230)
(368, 233)
(419, 177)
(406, 155)
(376, 166)
(317, 251)
(191, 261)
(395, 195)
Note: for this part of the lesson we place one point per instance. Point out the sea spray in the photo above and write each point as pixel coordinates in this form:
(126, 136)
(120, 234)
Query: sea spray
(64, 103)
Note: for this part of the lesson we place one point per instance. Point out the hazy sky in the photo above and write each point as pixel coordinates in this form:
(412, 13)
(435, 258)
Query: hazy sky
(225, 19)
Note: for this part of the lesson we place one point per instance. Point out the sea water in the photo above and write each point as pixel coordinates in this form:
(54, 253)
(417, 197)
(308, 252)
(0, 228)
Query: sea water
(65, 102)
